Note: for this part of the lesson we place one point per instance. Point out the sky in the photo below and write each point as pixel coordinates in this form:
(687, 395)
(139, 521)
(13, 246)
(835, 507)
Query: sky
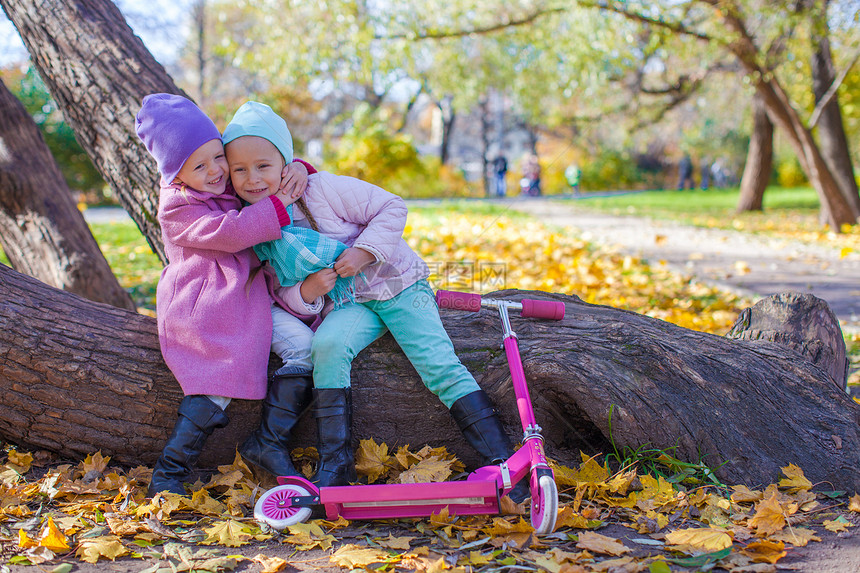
(161, 24)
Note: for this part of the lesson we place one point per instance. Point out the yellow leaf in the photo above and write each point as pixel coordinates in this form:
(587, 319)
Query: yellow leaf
(309, 535)
(53, 538)
(854, 503)
(743, 494)
(501, 526)
(795, 480)
(845, 251)
(108, 546)
(477, 558)
(765, 551)
(392, 542)
(230, 533)
(602, 544)
(20, 462)
(442, 518)
(372, 460)
(353, 556)
(797, 536)
(429, 470)
(94, 463)
(569, 518)
(405, 458)
(202, 502)
(769, 517)
(270, 564)
(837, 525)
(704, 539)
(592, 472)
(24, 540)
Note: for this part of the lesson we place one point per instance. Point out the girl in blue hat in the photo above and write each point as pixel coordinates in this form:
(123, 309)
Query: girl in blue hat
(346, 241)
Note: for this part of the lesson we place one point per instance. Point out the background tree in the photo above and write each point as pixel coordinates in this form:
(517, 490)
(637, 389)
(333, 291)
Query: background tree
(729, 25)
(41, 230)
(99, 95)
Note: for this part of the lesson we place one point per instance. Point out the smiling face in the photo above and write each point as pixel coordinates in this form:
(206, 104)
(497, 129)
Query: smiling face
(206, 169)
(255, 167)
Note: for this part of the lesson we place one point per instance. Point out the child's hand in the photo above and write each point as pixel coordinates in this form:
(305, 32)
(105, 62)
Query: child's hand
(317, 284)
(294, 180)
(352, 261)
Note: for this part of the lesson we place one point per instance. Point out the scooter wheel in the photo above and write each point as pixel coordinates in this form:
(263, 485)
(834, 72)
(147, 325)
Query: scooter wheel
(545, 505)
(275, 507)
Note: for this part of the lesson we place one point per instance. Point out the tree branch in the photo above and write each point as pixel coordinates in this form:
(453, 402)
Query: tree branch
(676, 27)
(831, 91)
(480, 30)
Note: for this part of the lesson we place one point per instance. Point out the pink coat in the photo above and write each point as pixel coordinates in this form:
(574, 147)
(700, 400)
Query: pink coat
(214, 297)
(360, 214)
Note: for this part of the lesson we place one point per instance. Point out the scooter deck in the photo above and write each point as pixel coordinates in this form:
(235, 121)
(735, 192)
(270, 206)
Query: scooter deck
(392, 501)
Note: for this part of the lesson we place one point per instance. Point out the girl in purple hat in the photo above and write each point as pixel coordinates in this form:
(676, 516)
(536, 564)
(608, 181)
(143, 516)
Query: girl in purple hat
(214, 298)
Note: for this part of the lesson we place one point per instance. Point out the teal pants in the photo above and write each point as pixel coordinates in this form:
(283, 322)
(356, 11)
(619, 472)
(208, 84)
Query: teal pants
(412, 317)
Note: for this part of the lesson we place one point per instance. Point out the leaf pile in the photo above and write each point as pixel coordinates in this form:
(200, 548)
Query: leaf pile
(483, 253)
(92, 512)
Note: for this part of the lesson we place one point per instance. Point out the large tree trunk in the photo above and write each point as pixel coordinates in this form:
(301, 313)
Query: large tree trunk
(41, 230)
(98, 71)
(831, 131)
(759, 163)
(78, 377)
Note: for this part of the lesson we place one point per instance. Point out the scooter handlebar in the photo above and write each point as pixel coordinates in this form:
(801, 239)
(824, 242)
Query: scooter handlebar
(549, 309)
(458, 300)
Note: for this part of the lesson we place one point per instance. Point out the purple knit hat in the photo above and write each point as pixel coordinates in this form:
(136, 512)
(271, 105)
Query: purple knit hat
(172, 128)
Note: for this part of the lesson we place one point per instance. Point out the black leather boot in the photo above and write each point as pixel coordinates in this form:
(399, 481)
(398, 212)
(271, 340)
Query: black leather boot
(286, 400)
(333, 411)
(477, 419)
(198, 418)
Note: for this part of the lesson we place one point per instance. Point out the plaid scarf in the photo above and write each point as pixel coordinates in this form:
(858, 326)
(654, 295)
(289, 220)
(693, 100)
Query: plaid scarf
(300, 252)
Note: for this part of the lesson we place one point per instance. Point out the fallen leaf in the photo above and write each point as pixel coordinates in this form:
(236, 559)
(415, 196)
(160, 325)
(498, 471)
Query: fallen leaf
(769, 517)
(854, 503)
(705, 539)
(372, 460)
(109, 547)
(269, 564)
(794, 479)
(765, 551)
(353, 556)
(602, 544)
(837, 525)
(230, 533)
(53, 538)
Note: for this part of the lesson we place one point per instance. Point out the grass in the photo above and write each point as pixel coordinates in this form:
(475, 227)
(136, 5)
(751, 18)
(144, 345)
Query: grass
(787, 213)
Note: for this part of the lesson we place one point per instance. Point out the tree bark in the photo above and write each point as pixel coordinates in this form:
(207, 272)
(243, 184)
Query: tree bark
(759, 163)
(78, 377)
(98, 71)
(831, 130)
(41, 230)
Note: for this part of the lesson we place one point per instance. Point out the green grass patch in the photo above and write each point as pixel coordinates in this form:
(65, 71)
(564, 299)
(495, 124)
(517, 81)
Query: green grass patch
(691, 206)
(136, 267)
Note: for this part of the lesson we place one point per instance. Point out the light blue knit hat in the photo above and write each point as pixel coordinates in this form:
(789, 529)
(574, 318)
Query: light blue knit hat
(255, 118)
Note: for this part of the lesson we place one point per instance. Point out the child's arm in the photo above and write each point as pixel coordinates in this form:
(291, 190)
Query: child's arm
(352, 261)
(382, 214)
(318, 284)
(195, 224)
(294, 178)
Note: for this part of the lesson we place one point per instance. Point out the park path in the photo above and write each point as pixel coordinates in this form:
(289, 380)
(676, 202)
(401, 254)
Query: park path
(751, 264)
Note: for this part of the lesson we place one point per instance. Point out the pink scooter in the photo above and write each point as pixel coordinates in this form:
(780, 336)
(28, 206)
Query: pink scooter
(291, 502)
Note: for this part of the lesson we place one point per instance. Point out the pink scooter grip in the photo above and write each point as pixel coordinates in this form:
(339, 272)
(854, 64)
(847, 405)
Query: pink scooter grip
(551, 309)
(458, 300)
